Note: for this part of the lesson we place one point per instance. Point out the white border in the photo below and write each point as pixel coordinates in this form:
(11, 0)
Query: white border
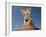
(9, 4)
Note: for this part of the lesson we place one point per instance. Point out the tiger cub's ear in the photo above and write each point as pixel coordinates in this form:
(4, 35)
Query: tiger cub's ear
(30, 10)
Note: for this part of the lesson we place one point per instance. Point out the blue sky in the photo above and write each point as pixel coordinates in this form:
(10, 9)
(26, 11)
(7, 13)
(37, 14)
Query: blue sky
(17, 17)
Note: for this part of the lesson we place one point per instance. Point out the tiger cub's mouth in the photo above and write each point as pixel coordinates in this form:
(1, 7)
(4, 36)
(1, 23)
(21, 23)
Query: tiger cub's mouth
(27, 20)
